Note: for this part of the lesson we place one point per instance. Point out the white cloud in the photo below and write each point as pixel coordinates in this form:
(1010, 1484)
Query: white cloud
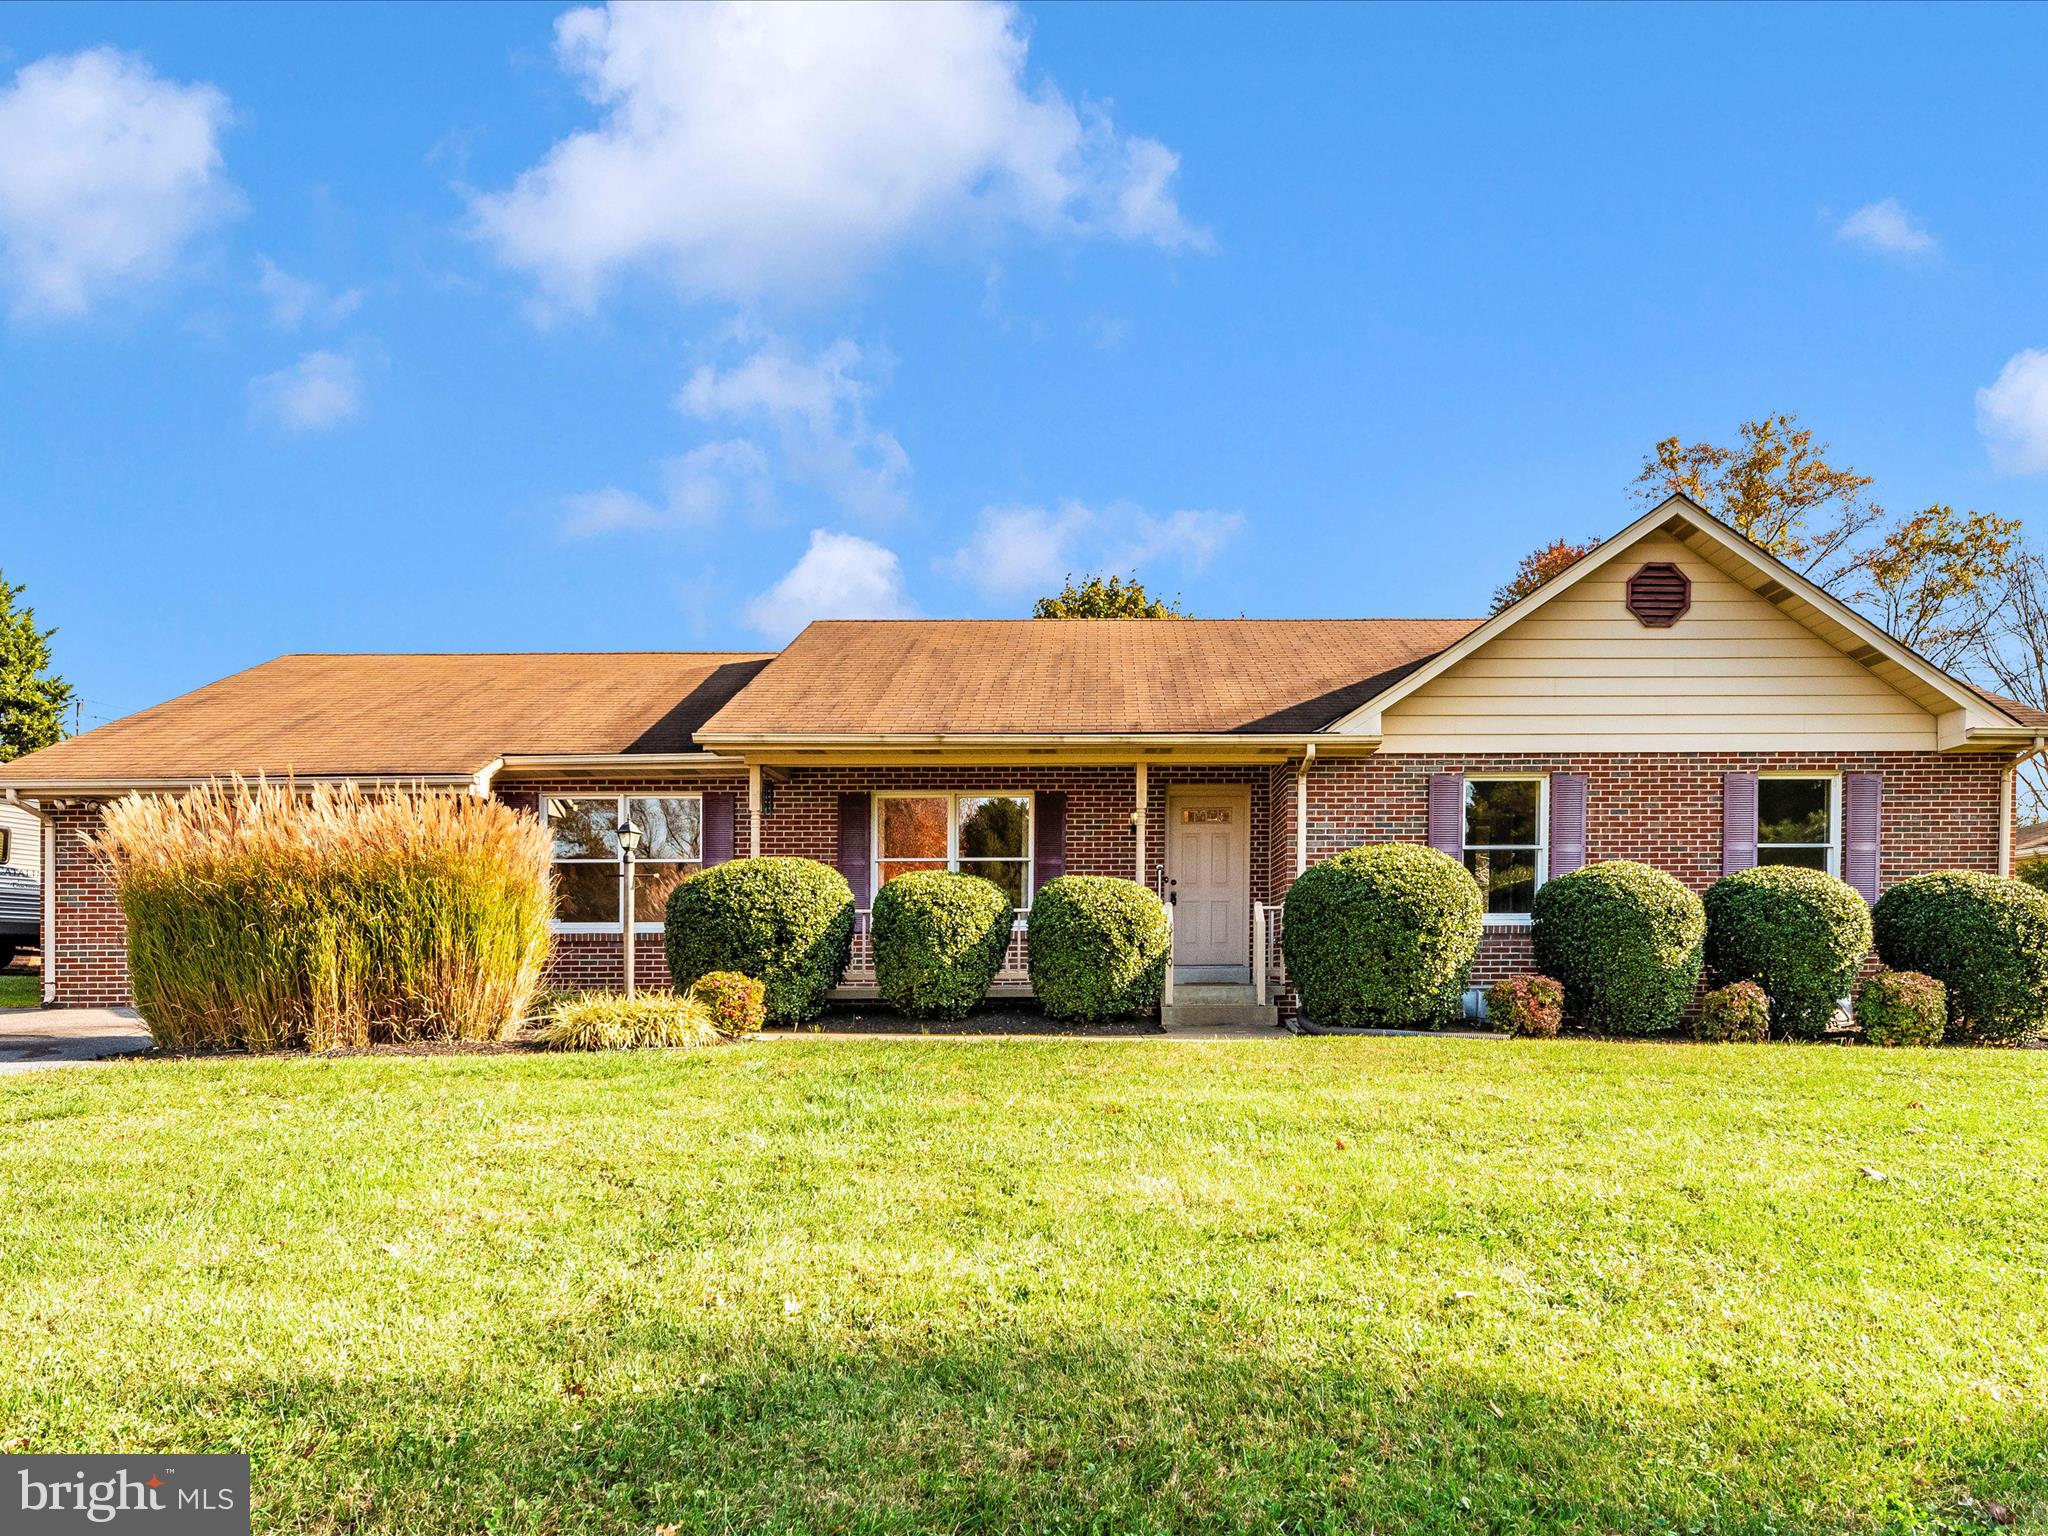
(840, 576)
(816, 409)
(296, 300)
(1018, 552)
(320, 390)
(106, 170)
(2012, 414)
(1887, 227)
(698, 489)
(749, 150)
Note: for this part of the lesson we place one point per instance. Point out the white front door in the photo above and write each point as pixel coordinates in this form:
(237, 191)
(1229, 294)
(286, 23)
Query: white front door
(1208, 856)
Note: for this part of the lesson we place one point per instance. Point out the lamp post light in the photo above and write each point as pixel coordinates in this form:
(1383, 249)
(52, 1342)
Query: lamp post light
(629, 849)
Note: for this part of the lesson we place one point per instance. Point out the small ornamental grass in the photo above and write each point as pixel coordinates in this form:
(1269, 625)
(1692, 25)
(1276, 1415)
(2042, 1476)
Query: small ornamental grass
(1526, 1006)
(611, 1021)
(1382, 937)
(1902, 1008)
(786, 922)
(738, 1004)
(939, 942)
(1099, 947)
(1626, 940)
(1983, 938)
(1739, 1011)
(269, 916)
(1800, 934)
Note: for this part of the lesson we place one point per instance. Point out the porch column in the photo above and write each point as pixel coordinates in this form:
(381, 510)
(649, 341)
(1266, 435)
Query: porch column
(1138, 824)
(753, 810)
(1308, 756)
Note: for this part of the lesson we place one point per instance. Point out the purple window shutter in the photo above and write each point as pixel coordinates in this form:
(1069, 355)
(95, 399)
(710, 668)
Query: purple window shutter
(526, 800)
(1447, 814)
(1049, 839)
(1738, 822)
(855, 839)
(1567, 822)
(720, 807)
(1862, 819)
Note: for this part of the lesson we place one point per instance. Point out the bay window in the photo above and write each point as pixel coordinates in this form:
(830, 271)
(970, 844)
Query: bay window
(1796, 822)
(970, 834)
(589, 872)
(1507, 841)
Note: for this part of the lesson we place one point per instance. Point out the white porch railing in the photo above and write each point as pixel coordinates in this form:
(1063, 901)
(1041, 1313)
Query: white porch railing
(1269, 967)
(860, 972)
(1166, 988)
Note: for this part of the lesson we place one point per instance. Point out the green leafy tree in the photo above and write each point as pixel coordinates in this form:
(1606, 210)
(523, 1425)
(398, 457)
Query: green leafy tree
(1107, 597)
(32, 697)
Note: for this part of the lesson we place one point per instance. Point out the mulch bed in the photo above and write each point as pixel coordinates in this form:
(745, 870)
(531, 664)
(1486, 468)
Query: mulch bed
(996, 1019)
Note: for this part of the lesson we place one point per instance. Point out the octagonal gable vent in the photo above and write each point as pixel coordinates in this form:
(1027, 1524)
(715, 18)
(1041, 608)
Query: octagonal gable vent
(1659, 594)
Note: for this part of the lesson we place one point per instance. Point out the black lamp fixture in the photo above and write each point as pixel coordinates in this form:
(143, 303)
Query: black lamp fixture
(629, 849)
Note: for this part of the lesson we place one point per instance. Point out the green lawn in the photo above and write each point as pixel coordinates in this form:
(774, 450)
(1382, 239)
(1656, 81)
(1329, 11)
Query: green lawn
(20, 991)
(1127, 1285)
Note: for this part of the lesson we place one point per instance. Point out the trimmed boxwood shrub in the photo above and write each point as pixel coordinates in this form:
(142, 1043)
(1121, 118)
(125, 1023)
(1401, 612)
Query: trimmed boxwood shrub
(788, 923)
(939, 941)
(1627, 942)
(738, 1004)
(2034, 871)
(1739, 1011)
(1800, 934)
(1902, 1008)
(1526, 1006)
(1099, 947)
(1382, 936)
(1985, 939)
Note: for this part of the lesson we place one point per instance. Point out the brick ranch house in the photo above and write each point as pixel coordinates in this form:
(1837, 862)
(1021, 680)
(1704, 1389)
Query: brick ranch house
(1678, 697)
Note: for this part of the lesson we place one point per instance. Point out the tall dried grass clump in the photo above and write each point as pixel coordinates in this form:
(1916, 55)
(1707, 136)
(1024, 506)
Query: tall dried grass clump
(266, 916)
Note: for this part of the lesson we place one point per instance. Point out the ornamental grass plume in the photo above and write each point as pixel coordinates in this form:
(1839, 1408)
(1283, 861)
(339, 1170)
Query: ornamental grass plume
(265, 916)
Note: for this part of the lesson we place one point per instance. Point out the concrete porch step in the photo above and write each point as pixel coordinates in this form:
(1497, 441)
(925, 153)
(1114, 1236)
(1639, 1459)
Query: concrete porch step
(1198, 1004)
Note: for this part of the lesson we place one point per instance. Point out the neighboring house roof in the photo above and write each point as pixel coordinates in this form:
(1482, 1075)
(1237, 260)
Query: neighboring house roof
(402, 716)
(2031, 838)
(974, 677)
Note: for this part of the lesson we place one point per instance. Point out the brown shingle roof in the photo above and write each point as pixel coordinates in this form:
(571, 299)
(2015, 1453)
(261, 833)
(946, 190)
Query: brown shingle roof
(1078, 676)
(403, 715)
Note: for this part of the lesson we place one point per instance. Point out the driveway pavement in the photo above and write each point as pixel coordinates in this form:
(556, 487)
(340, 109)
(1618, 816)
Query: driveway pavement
(54, 1037)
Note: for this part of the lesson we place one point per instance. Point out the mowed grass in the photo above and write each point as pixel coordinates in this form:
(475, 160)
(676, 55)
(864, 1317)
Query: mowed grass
(1116, 1285)
(20, 991)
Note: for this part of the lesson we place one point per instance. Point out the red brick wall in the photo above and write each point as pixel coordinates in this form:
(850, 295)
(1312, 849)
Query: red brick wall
(1664, 809)
(88, 955)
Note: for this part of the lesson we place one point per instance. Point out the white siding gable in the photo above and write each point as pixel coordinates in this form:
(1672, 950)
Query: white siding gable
(1581, 674)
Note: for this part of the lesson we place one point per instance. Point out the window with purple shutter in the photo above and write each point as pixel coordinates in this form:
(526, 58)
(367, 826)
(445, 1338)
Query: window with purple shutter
(526, 800)
(1738, 822)
(1567, 823)
(1049, 838)
(856, 832)
(1447, 814)
(721, 808)
(1862, 819)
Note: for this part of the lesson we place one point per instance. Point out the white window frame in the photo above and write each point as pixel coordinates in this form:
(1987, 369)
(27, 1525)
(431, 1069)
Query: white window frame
(1834, 842)
(953, 797)
(1542, 783)
(617, 924)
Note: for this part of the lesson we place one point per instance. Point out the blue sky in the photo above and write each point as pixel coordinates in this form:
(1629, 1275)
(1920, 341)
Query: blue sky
(479, 328)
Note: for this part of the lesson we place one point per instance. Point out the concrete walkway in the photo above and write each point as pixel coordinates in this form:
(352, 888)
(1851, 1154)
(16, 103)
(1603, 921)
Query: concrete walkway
(31, 1038)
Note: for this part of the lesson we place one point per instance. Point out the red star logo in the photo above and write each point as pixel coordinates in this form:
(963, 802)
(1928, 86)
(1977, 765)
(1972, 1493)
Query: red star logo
(155, 1481)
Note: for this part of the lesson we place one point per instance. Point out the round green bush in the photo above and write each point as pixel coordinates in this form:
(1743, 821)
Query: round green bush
(2034, 871)
(1983, 938)
(939, 941)
(788, 923)
(1099, 947)
(1739, 1011)
(1382, 937)
(1800, 934)
(1627, 942)
(1902, 1008)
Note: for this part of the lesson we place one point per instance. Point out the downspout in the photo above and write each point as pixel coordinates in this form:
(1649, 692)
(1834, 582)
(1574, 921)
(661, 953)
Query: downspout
(1308, 755)
(1138, 824)
(480, 781)
(2007, 782)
